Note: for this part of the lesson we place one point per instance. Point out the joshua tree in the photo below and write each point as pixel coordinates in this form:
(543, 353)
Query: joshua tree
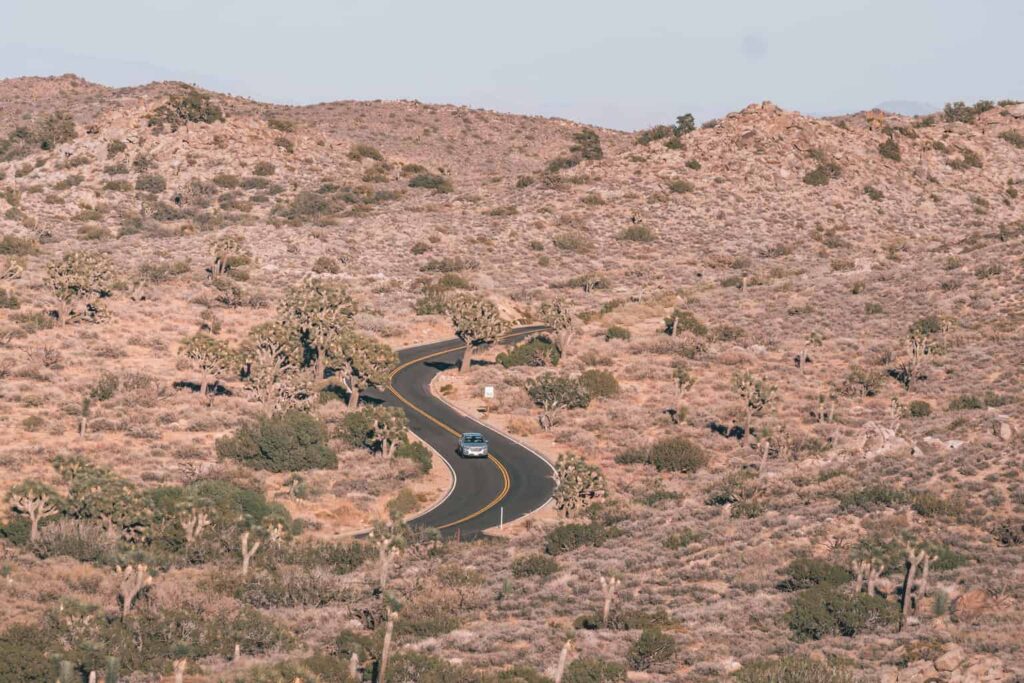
(387, 429)
(247, 551)
(867, 574)
(608, 586)
(683, 381)
(389, 540)
(559, 317)
(133, 578)
(757, 396)
(229, 251)
(272, 356)
(212, 357)
(914, 589)
(319, 309)
(35, 500)
(103, 390)
(360, 362)
(813, 339)
(193, 524)
(78, 282)
(553, 392)
(912, 366)
(579, 484)
(476, 321)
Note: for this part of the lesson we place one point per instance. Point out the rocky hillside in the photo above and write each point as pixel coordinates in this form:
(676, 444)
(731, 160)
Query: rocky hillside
(795, 363)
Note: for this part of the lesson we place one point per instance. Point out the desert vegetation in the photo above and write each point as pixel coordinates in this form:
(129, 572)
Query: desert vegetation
(779, 384)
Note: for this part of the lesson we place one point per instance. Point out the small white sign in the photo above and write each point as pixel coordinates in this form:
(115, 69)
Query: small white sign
(488, 392)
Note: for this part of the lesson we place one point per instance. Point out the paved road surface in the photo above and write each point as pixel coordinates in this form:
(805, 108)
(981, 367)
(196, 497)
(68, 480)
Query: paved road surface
(513, 482)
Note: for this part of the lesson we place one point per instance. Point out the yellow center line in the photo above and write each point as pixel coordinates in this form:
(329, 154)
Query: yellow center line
(506, 480)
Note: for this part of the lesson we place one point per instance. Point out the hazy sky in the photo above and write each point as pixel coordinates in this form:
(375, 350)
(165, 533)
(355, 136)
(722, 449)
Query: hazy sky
(619, 64)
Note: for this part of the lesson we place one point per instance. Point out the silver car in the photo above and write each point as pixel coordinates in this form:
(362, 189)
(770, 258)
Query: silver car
(473, 445)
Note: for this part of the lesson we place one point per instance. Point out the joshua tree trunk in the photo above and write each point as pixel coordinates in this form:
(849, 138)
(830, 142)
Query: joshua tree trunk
(608, 587)
(467, 357)
(385, 651)
(318, 365)
(247, 552)
(563, 657)
(204, 386)
(133, 579)
(353, 667)
(67, 672)
(914, 559)
(746, 426)
(179, 670)
(353, 398)
(113, 670)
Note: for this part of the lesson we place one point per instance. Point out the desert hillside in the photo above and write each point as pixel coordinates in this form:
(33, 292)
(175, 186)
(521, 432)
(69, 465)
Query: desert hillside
(786, 355)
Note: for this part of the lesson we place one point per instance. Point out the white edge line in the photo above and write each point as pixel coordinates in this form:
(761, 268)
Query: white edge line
(511, 438)
(455, 478)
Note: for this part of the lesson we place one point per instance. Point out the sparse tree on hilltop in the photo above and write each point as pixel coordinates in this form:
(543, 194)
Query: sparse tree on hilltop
(476, 321)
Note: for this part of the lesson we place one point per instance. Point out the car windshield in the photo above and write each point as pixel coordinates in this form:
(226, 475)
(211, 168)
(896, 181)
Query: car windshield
(472, 438)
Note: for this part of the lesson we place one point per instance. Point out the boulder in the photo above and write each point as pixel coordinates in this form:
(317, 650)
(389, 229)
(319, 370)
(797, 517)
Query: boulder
(950, 659)
(969, 606)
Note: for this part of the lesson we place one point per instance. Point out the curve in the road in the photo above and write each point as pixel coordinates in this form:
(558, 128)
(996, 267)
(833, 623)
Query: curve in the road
(513, 482)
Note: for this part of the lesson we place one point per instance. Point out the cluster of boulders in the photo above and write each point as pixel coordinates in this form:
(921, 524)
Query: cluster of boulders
(953, 665)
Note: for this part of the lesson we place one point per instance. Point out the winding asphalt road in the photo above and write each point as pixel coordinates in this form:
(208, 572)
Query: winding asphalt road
(514, 481)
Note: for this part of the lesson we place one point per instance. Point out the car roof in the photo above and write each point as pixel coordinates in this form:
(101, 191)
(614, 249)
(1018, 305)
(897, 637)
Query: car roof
(468, 435)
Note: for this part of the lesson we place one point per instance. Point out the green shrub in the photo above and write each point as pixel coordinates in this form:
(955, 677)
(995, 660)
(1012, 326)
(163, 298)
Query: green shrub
(151, 183)
(792, 669)
(573, 241)
(919, 409)
(958, 112)
(966, 402)
(599, 383)
(587, 145)
(890, 149)
(676, 454)
(874, 193)
(638, 233)
(431, 181)
(12, 245)
(872, 497)
(568, 537)
(656, 133)
(617, 332)
(287, 442)
(680, 539)
(807, 572)
(653, 647)
(313, 669)
(25, 656)
(685, 321)
(417, 452)
(928, 504)
(829, 611)
(680, 186)
(625, 620)
(339, 558)
(534, 565)
(428, 619)
(263, 169)
(594, 670)
(537, 352)
(1013, 137)
(360, 152)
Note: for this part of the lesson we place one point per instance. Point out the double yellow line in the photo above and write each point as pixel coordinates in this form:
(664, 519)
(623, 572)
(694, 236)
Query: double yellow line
(506, 480)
